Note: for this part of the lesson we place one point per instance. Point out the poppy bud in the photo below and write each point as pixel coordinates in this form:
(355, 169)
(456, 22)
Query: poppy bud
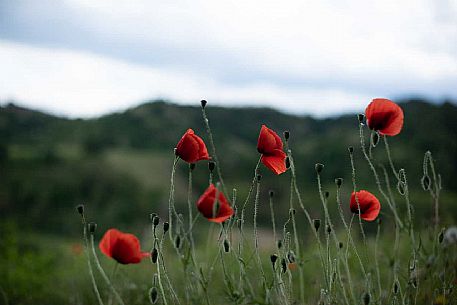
(396, 287)
(92, 226)
(151, 216)
(441, 236)
(259, 177)
(271, 193)
(192, 166)
(366, 298)
(283, 265)
(287, 162)
(166, 226)
(317, 224)
(203, 103)
(425, 182)
(351, 149)
(291, 257)
(154, 255)
(226, 246)
(374, 139)
(153, 295)
(177, 242)
(80, 209)
(326, 194)
(211, 165)
(319, 167)
(286, 135)
(279, 244)
(329, 229)
(340, 245)
(156, 221)
(338, 181)
(273, 259)
(401, 188)
(361, 118)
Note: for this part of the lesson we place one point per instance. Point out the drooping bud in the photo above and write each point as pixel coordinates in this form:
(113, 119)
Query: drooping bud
(92, 226)
(203, 103)
(319, 167)
(156, 221)
(425, 182)
(361, 118)
(287, 162)
(80, 209)
(271, 193)
(396, 287)
(401, 188)
(151, 216)
(166, 226)
(211, 165)
(374, 138)
(154, 255)
(273, 259)
(226, 246)
(339, 181)
(259, 177)
(317, 224)
(192, 166)
(286, 135)
(153, 295)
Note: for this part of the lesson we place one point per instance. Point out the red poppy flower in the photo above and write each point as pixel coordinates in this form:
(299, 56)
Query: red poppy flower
(205, 205)
(384, 116)
(270, 146)
(123, 247)
(191, 148)
(369, 205)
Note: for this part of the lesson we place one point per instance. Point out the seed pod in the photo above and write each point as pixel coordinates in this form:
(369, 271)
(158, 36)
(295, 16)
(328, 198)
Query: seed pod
(271, 193)
(192, 166)
(286, 135)
(374, 139)
(287, 162)
(317, 224)
(361, 118)
(154, 255)
(211, 165)
(226, 246)
(92, 226)
(283, 265)
(156, 221)
(366, 298)
(425, 182)
(339, 181)
(177, 241)
(273, 259)
(319, 167)
(80, 209)
(166, 226)
(203, 103)
(153, 295)
(259, 177)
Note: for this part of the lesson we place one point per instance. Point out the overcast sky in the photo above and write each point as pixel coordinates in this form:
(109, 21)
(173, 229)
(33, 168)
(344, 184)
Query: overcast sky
(90, 57)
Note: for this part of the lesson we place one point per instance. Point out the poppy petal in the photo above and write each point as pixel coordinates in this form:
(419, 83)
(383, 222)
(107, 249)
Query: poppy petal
(191, 148)
(275, 162)
(122, 247)
(205, 205)
(384, 116)
(268, 141)
(369, 205)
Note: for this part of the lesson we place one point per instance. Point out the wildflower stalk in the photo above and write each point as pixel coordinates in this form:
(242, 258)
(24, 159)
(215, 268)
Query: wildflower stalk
(375, 174)
(189, 206)
(102, 272)
(378, 275)
(389, 157)
(171, 199)
(89, 265)
(256, 239)
(273, 223)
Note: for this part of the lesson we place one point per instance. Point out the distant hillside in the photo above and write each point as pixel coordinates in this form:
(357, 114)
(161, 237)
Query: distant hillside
(120, 163)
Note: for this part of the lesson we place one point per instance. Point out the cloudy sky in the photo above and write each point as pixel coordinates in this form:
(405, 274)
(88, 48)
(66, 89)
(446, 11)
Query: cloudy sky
(86, 57)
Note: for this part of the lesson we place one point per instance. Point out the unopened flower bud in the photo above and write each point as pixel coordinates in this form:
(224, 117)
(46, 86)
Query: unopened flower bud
(203, 103)
(329, 229)
(396, 287)
(340, 245)
(259, 177)
(151, 216)
(441, 236)
(279, 244)
(361, 118)
(273, 259)
(92, 226)
(156, 221)
(286, 135)
(339, 181)
(211, 165)
(80, 209)
(317, 224)
(154, 255)
(271, 193)
(153, 295)
(287, 162)
(177, 242)
(366, 298)
(319, 167)
(166, 226)
(226, 246)
(351, 149)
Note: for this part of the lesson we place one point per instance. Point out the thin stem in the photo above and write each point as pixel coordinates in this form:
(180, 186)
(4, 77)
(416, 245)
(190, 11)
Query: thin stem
(378, 275)
(171, 199)
(102, 272)
(386, 144)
